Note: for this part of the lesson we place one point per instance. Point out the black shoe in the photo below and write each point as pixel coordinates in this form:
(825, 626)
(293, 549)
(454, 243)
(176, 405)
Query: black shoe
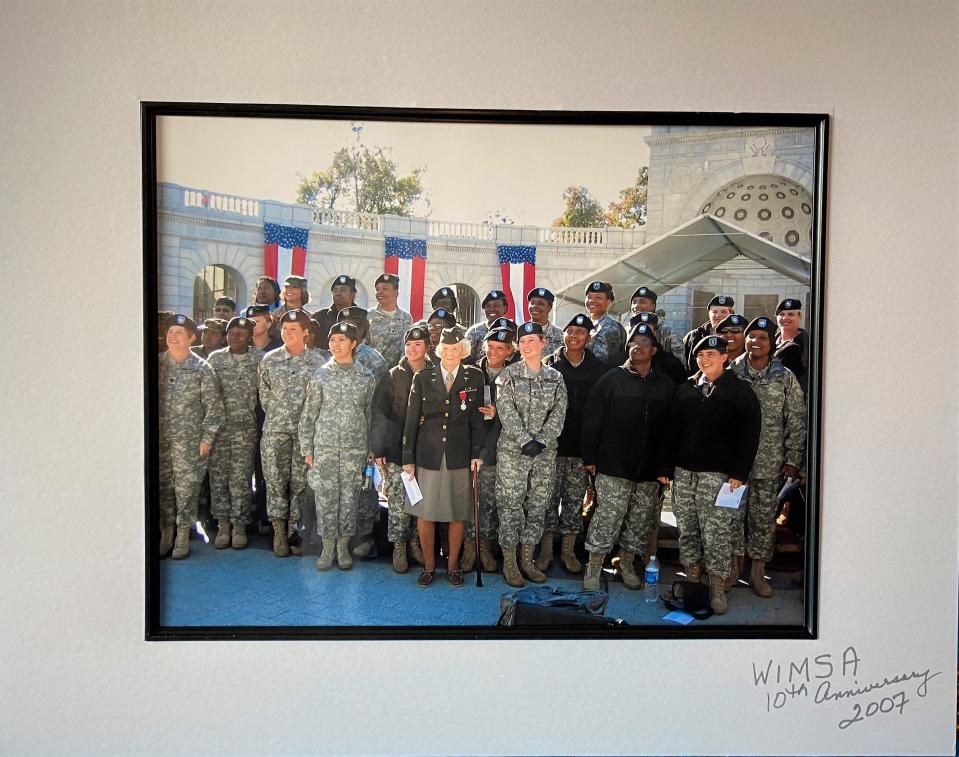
(456, 578)
(426, 579)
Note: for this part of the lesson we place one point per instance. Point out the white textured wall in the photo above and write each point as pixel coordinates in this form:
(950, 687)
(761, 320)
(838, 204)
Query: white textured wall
(77, 675)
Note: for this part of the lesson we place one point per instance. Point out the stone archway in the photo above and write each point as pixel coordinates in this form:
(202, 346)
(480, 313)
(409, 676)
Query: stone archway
(210, 284)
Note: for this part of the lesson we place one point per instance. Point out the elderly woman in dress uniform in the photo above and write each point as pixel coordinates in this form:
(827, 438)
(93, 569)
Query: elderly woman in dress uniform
(442, 442)
(531, 403)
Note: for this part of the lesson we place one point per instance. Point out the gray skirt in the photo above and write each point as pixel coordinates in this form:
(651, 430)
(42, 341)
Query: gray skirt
(447, 494)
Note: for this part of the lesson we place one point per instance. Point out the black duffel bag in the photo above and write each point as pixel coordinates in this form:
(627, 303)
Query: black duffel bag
(549, 606)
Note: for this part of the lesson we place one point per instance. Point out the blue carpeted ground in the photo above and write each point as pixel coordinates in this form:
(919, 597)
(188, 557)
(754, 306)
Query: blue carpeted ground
(253, 588)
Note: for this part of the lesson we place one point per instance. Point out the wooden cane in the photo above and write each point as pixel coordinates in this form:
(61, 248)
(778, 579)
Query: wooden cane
(476, 528)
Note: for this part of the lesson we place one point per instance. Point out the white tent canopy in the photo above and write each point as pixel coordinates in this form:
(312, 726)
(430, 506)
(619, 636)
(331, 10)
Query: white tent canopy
(684, 253)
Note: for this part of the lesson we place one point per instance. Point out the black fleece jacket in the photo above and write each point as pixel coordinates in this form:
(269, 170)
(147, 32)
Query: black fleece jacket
(579, 381)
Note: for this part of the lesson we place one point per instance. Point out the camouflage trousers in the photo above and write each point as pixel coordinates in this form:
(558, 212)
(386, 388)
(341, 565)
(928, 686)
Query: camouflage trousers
(524, 486)
(181, 474)
(759, 507)
(626, 512)
(564, 514)
(704, 529)
(488, 518)
(284, 470)
(231, 471)
(336, 479)
(400, 526)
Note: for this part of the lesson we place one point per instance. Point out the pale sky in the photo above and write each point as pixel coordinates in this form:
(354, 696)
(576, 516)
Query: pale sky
(471, 169)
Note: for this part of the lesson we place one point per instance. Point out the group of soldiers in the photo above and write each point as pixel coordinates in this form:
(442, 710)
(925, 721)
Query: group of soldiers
(624, 411)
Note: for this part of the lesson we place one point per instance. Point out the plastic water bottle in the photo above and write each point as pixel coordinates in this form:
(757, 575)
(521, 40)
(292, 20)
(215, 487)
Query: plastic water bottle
(652, 581)
(368, 477)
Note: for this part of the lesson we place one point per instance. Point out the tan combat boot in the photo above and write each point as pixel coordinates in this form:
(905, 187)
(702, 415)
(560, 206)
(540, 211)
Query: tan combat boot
(486, 556)
(239, 536)
(694, 573)
(166, 540)
(281, 547)
(759, 583)
(416, 552)
(343, 557)
(468, 558)
(325, 561)
(545, 558)
(735, 569)
(223, 536)
(529, 568)
(568, 555)
(400, 563)
(511, 570)
(628, 571)
(717, 597)
(594, 570)
(182, 547)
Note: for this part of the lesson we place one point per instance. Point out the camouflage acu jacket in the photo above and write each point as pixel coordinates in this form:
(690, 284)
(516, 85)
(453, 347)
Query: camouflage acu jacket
(386, 333)
(337, 409)
(530, 406)
(191, 406)
(239, 384)
(283, 380)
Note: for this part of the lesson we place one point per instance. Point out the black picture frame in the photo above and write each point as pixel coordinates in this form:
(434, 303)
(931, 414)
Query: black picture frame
(152, 111)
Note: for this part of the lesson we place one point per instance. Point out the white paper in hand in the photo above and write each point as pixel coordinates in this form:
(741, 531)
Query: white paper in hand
(413, 492)
(730, 499)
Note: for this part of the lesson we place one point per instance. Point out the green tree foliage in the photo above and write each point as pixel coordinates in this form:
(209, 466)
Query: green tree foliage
(630, 211)
(582, 209)
(364, 180)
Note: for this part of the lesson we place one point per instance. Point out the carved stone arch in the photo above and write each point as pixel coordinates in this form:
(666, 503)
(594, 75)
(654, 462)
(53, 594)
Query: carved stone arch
(244, 263)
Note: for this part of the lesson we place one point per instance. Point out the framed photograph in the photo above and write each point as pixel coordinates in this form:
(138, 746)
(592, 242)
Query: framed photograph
(315, 274)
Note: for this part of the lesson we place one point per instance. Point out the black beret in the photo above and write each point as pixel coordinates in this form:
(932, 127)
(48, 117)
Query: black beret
(241, 322)
(643, 329)
(344, 280)
(709, 343)
(254, 310)
(416, 332)
(444, 315)
(439, 294)
(542, 293)
(763, 323)
(494, 294)
(600, 286)
(651, 318)
(346, 329)
(388, 278)
(731, 321)
(296, 316)
(644, 292)
(352, 311)
(529, 328)
(183, 320)
(504, 323)
(499, 335)
(453, 335)
(722, 301)
(788, 304)
(582, 321)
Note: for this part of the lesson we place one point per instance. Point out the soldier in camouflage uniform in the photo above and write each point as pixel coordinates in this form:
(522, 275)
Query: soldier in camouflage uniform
(717, 423)
(390, 401)
(531, 403)
(231, 462)
(494, 306)
(540, 303)
(782, 447)
(191, 414)
(388, 323)
(625, 445)
(608, 337)
(284, 375)
(333, 434)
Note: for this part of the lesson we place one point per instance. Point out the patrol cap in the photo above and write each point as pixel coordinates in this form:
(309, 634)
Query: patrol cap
(601, 286)
(444, 315)
(344, 280)
(439, 294)
(580, 321)
(453, 335)
(388, 278)
(542, 293)
(505, 323)
(529, 328)
(415, 333)
(646, 292)
(352, 312)
(185, 321)
(240, 322)
(643, 329)
(650, 318)
(254, 310)
(499, 335)
(731, 321)
(788, 304)
(763, 323)
(494, 294)
(296, 316)
(346, 329)
(721, 300)
(295, 281)
(215, 324)
(709, 343)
